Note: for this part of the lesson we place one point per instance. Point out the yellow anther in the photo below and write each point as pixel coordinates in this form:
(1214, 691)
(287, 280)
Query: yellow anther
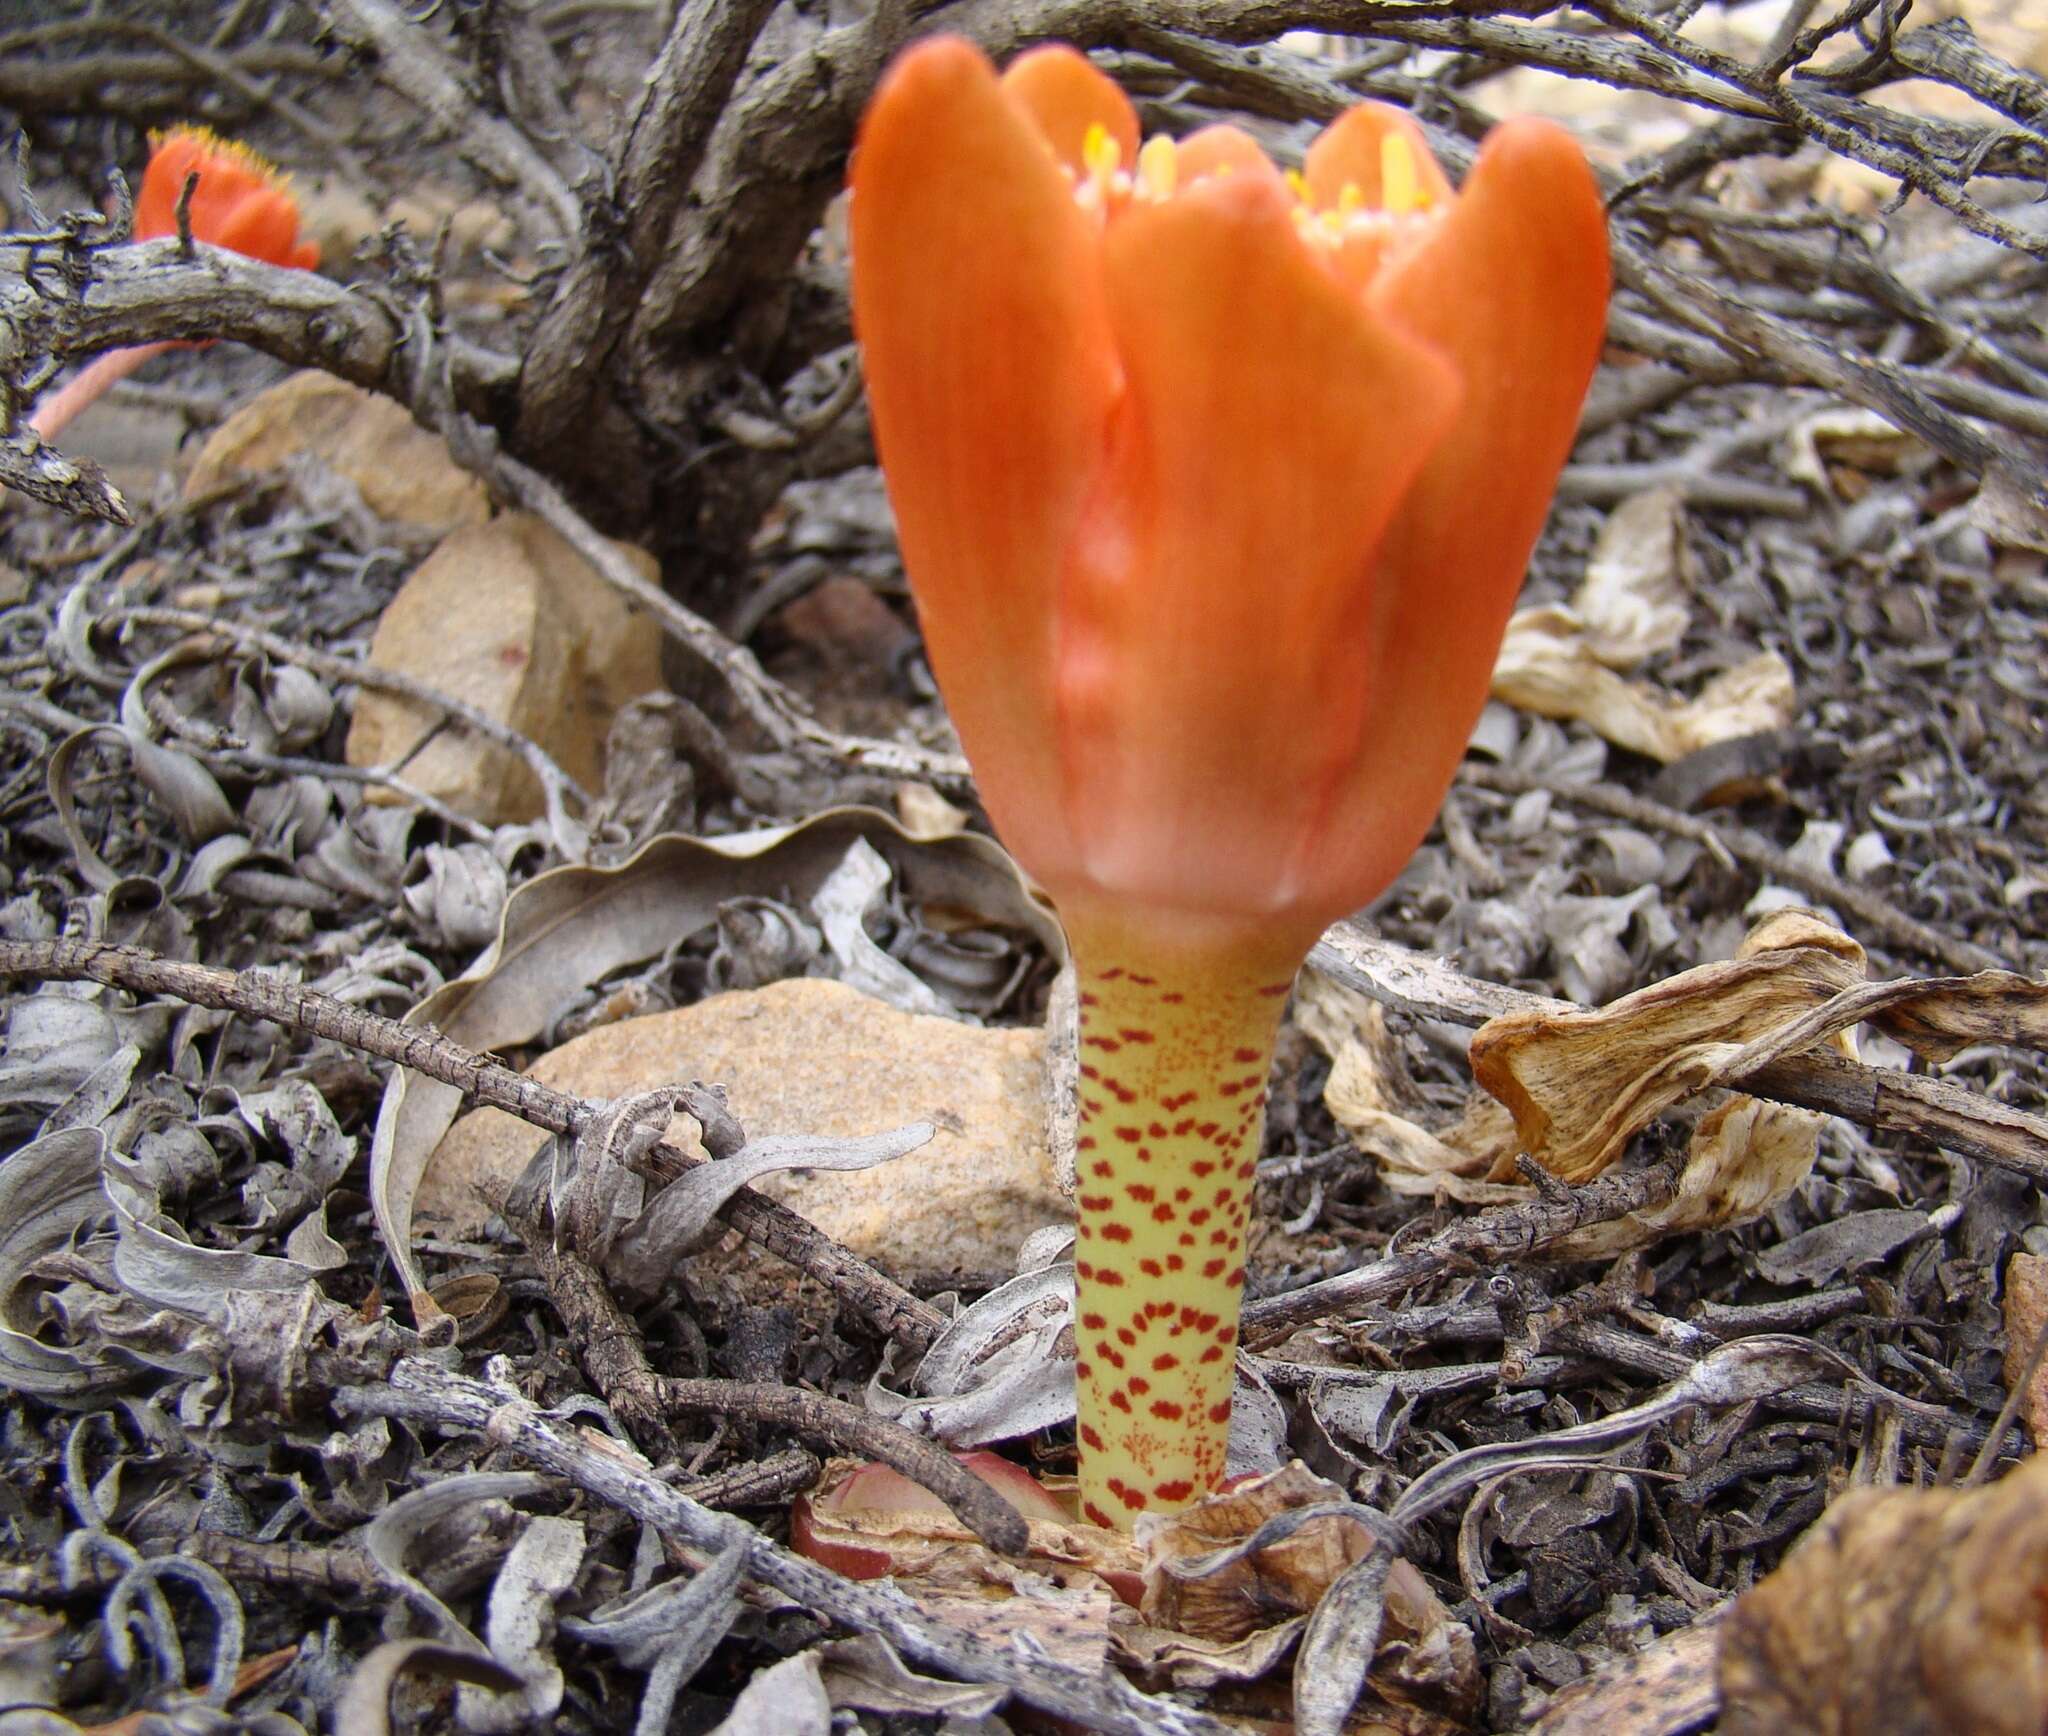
(1100, 153)
(1351, 199)
(1158, 167)
(1400, 185)
(1297, 184)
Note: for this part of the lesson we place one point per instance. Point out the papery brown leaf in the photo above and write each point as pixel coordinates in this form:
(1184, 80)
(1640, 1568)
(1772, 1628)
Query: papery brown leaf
(1903, 1612)
(1580, 1084)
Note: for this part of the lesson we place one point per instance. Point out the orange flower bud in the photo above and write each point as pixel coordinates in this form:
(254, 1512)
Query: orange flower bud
(1215, 485)
(240, 202)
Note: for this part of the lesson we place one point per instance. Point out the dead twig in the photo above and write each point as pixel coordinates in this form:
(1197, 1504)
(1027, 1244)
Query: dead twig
(428, 1396)
(889, 1308)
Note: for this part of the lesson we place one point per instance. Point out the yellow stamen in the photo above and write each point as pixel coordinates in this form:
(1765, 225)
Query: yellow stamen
(1158, 167)
(1100, 154)
(1297, 184)
(1400, 186)
(1351, 200)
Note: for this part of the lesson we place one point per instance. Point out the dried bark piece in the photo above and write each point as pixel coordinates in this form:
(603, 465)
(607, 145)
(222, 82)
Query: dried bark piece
(1903, 1612)
(2026, 1318)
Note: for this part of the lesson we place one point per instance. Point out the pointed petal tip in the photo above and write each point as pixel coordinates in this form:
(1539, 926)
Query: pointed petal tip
(1066, 94)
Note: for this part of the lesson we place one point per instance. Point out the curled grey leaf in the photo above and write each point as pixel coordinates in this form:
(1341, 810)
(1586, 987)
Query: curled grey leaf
(1003, 1368)
(1338, 1644)
(519, 1623)
(179, 783)
(787, 1699)
(677, 1217)
(1749, 1368)
(670, 1632)
(98, 1095)
(163, 1268)
(365, 1705)
(388, 1537)
(54, 1041)
(458, 894)
(49, 1190)
(228, 1627)
(841, 906)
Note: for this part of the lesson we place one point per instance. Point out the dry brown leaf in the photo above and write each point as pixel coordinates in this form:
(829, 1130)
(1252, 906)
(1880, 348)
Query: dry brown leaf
(1365, 1096)
(1633, 600)
(1903, 1612)
(1230, 1619)
(1632, 604)
(1580, 1084)
(1745, 1156)
(1546, 666)
(1665, 1690)
(2026, 1318)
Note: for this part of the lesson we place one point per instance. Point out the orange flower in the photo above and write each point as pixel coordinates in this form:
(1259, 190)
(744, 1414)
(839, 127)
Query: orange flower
(1215, 486)
(241, 202)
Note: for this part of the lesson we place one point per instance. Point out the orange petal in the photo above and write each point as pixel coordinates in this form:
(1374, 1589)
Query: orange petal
(977, 301)
(174, 157)
(1222, 150)
(1221, 595)
(1065, 94)
(1513, 287)
(1349, 153)
(262, 223)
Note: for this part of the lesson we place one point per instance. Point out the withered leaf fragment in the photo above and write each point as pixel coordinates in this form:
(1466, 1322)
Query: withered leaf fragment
(1903, 1612)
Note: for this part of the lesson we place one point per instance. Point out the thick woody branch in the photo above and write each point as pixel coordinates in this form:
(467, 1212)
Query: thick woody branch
(151, 291)
(412, 64)
(685, 93)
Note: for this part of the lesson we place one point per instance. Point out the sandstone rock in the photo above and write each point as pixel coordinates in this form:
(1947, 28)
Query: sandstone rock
(507, 616)
(814, 1056)
(403, 472)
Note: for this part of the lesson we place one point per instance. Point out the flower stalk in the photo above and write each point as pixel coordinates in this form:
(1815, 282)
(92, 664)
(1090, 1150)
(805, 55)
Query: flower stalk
(1215, 485)
(1176, 1041)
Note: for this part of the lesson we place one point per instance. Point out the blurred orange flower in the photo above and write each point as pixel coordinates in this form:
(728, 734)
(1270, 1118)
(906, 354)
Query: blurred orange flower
(240, 202)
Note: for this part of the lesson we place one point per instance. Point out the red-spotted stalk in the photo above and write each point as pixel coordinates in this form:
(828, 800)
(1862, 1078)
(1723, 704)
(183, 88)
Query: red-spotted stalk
(1176, 1042)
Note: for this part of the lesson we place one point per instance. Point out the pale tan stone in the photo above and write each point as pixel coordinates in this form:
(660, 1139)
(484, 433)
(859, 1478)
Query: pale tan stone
(509, 617)
(814, 1056)
(403, 472)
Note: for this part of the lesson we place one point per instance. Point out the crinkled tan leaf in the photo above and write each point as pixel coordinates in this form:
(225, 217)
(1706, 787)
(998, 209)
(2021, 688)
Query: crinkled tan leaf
(567, 929)
(1547, 666)
(1364, 1096)
(1745, 1156)
(1901, 1612)
(1580, 1084)
(2026, 1318)
(1633, 600)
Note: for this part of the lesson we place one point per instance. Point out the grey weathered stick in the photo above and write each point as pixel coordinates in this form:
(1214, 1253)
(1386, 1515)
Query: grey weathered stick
(886, 1305)
(429, 1396)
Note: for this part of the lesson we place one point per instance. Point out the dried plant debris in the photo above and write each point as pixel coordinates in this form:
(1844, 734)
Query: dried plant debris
(1558, 1378)
(1904, 1611)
